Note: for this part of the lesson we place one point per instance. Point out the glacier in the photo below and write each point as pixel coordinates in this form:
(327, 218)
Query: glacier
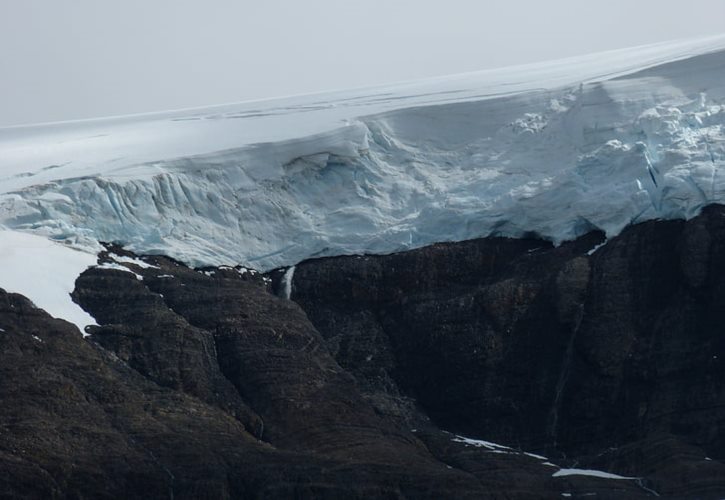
(552, 149)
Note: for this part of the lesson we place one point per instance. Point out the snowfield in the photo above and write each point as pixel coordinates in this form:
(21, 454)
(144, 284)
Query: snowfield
(45, 272)
(556, 149)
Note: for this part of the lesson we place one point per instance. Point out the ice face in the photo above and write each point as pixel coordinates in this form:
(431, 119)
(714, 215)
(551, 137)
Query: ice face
(554, 149)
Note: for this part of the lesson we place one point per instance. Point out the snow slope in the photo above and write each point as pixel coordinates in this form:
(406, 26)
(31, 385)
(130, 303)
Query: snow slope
(557, 149)
(45, 272)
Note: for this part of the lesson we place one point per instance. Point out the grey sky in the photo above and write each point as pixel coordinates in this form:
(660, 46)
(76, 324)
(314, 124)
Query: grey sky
(68, 59)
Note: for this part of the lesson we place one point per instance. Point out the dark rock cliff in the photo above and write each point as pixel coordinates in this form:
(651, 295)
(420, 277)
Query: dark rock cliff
(613, 361)
(206, 384)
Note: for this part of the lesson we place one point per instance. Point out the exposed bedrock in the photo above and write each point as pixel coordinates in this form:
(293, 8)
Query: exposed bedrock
(577, 356)
(605, 357)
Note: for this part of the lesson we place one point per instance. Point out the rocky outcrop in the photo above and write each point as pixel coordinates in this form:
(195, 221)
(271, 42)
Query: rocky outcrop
(604, 354)
(601, 356)
(202, 384)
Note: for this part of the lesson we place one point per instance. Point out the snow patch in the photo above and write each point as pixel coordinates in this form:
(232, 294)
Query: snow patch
(480, 443)
(45, 272)
(135, 261)
(496, 448)
(589, 472)
(118, 267)
(596, 247)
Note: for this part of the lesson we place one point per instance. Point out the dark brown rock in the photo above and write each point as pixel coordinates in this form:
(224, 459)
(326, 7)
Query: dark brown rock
(548, 349)
(203, 384)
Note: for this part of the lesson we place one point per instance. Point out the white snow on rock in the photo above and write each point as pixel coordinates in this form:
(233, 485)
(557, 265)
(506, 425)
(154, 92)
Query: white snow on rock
(131, 260)
(562, 472)
(478, 443)
(498, 448)
(589, 472)
(557, 149)
(119, 267)
(45, 272)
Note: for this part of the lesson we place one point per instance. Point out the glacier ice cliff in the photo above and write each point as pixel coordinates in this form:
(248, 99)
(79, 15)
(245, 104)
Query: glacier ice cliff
(554, 150)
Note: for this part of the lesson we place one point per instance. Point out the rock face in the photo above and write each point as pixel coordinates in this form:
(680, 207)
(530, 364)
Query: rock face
(614, 360)
(206, 384)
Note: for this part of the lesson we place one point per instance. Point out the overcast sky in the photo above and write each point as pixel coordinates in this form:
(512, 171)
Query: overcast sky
(68, 59)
